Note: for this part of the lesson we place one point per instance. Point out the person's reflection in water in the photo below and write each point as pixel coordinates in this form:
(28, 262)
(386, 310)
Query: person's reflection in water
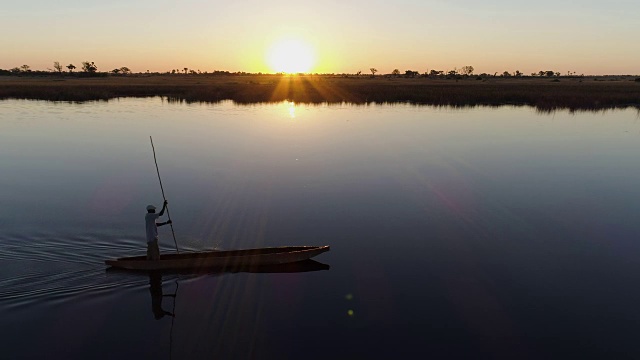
(155, 288)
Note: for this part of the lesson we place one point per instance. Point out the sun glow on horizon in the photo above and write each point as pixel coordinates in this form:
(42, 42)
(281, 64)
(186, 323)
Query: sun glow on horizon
(291, 56)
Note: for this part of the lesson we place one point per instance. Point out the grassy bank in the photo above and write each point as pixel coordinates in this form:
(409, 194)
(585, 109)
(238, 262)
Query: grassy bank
(543, 93)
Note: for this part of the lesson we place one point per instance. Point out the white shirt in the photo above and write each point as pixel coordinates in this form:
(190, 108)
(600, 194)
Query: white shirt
(152, 228)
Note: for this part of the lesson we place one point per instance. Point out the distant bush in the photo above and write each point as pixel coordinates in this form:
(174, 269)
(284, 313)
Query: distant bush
(90, 74)
(555, 80)
(479, 78)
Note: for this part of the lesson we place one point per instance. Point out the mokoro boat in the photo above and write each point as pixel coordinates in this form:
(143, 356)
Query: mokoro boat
(221, 259)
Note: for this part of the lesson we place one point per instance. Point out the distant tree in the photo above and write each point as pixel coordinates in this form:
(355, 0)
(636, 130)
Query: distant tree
(115, 71)
(467, 70)
(534, 74)
(125, 70)
(15, 70)
(541, 73)
(411, 73)
(25, 68)
(185, 70)
(89, 67)
(557, 73)
(57, 67)
(71, 67)
(435, 72)
(517, 73)
(395, 72)
(359, 73)
(549, 73)
(506, 74)
(453, 72)
(373, 71)
(173, 71)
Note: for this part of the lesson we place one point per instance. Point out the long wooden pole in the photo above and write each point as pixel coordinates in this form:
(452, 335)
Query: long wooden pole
(163, 197)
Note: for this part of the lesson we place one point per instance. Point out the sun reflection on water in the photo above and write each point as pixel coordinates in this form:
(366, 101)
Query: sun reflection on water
(292, 109)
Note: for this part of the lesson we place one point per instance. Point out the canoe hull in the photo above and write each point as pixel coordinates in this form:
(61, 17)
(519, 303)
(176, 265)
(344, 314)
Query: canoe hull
(221, 259)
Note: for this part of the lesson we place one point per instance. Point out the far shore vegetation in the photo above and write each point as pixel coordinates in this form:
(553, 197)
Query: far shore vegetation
(545, 90)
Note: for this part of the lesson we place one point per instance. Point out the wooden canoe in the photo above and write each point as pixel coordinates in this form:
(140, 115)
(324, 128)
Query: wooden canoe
(221, 259)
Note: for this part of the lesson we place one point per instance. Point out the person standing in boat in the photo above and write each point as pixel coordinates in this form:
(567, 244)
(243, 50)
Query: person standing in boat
(153, 251)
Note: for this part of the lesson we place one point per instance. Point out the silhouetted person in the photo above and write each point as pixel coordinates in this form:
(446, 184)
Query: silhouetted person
(153, 251)
(155, 288)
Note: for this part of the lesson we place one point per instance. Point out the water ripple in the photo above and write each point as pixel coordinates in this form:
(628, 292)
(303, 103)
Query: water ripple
(57, 268)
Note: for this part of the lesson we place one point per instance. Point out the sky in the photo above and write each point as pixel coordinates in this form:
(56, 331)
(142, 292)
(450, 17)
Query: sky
(586, 37)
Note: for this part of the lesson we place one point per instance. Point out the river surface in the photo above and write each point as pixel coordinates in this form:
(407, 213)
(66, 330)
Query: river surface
(474, 233)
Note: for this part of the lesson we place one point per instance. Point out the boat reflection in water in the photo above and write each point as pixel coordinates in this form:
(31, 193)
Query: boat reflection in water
(293, 267)
(155, 278)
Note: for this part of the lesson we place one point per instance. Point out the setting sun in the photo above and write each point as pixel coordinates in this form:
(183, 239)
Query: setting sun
(291, 56)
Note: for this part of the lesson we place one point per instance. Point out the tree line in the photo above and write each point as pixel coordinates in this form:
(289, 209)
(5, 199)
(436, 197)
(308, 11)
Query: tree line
(89, 68)
(467, 71)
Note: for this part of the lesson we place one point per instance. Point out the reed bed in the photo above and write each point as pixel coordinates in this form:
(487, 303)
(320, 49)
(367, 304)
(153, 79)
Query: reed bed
(545, 94)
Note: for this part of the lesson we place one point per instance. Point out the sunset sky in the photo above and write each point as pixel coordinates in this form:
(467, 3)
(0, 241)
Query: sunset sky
(590, 37)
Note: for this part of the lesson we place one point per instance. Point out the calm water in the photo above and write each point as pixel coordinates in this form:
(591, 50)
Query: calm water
(478, 233)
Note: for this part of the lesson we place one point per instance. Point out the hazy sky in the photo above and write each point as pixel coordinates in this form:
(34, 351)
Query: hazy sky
(590, 37)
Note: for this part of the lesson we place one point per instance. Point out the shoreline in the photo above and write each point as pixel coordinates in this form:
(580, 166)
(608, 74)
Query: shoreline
(545, 94)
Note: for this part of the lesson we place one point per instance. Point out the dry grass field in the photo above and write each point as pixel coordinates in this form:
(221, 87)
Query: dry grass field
(543, 93)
